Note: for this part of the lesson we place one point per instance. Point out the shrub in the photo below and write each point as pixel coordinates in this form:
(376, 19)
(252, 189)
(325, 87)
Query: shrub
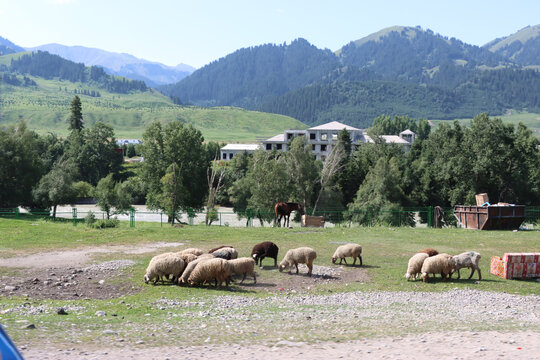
(90, 218)
(105, 223)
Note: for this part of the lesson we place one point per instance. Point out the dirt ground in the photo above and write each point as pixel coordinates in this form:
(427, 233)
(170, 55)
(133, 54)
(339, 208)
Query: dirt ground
(76, 274)
(67, 275)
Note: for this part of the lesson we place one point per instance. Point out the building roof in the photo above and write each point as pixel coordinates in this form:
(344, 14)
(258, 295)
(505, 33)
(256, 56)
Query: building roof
(241, 147)
(334, 125)
(389, 139)
(407, 132)
(277, 138)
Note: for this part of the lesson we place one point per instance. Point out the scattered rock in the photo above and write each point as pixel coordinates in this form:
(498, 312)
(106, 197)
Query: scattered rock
(101, 313)
(61, 311)
(29, 326)
(10, 288)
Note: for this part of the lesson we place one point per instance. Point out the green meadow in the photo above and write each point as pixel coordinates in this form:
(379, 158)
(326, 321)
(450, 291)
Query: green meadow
(46, 108)
(150, 313)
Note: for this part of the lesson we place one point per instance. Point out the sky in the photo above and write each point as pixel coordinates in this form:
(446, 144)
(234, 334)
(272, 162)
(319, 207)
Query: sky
(197, 32)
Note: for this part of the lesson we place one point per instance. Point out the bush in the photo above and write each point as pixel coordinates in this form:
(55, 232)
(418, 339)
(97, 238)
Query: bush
(105, 223)
(90, 218)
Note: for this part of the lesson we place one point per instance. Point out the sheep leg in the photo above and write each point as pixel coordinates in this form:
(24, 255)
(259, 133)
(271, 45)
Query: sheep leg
(459, 275)
(472, 272)
(354, 262)
(360, 258)
(296, 264)
(479, 273)
(254, 278)
(310, 267)
(244, 278)
(275, 261)
(345, 260)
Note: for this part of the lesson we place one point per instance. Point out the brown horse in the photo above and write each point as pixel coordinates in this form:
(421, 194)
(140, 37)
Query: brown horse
(283, 211)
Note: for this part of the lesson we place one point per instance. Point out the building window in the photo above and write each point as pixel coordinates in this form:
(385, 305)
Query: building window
(224, 156)
(230, 156)
(313, 147)
(323, 147)
(334, 136)
(323, 158)
(324, 137)
(268, 146)
(278, 146)
(289, 136)
(312, 136)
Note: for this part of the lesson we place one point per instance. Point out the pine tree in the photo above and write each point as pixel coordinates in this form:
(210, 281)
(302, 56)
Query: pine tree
(76, 118)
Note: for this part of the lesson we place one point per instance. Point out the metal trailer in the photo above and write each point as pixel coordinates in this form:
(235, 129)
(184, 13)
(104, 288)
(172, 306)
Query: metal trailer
(492, 217)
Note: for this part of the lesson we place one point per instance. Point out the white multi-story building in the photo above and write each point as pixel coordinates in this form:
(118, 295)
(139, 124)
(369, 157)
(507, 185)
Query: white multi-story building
(322, 138)
(230, 150)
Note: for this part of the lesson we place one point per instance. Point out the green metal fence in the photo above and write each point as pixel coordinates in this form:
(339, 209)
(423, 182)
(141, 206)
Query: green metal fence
(417, 216)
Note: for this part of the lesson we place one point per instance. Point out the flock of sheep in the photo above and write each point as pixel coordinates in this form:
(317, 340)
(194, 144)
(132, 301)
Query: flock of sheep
(195, 267)
(429, 261)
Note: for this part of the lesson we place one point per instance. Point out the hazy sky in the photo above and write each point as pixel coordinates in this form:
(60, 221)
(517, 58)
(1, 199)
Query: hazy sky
(197, 32)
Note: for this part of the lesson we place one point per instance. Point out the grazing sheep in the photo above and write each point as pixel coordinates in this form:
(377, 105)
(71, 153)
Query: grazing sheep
(212, 269)
(227, 253)
(219, 247)
(164, 265)
(429, 251)
(347, 250)
(243, 266)
(194, 251)
(265, 249)
(438, 264)
(189, 268)
(469, 260)
(301, 255)
(415, 265)
(187, 257)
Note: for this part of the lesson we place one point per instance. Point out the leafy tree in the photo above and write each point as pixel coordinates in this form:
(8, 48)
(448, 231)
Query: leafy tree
(130, 151)
(20, 165)
(97, 156)
(57, 186)
(76, 117)
(381, 191)
(302, 171)
(174, 144)
(106, 195)
(332, 165)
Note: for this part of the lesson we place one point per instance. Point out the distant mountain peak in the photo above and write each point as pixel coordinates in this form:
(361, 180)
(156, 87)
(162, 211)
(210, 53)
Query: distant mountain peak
(123, 64)
(522, 47)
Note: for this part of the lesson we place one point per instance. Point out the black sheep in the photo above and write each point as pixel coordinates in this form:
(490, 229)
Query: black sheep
(265, 249)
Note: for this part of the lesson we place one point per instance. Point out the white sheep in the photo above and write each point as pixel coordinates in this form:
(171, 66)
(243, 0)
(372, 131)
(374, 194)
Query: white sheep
(227, 253)
(189, 267)
(212, 269)
(164, 265)
(243, 266)
(301, 255)
(438, 264)
(187, 257)
(469, 260)
(415, 265)
(347, 250)
(194, 251)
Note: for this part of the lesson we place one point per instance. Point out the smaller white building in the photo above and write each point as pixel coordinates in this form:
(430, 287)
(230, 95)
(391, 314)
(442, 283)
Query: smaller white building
(230, 150)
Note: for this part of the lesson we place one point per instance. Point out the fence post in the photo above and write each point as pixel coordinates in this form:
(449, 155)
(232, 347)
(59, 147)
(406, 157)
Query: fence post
(430, 216)
(74, 211)
(16, 213)
(399, 218)
(369, 216)
(132, 218)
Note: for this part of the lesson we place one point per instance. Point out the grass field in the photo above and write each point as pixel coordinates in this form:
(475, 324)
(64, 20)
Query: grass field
(46, 109)
(532, 120)
(385, 255)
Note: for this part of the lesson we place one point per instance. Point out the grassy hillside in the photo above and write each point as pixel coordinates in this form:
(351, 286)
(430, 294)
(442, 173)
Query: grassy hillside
(532, 120)
(45, 108)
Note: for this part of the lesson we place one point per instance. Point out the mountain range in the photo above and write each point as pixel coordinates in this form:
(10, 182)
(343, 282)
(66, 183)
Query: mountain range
(396, 71)
(121, 64)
